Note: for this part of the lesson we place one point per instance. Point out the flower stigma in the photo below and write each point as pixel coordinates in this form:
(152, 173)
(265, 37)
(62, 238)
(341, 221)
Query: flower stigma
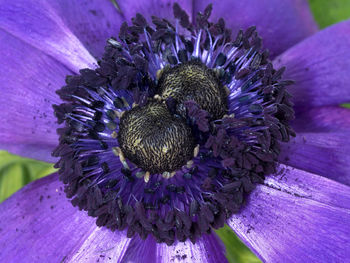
(173, 129)
(154, 140)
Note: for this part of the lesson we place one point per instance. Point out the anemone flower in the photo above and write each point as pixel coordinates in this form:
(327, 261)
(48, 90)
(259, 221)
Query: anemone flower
(171, 125)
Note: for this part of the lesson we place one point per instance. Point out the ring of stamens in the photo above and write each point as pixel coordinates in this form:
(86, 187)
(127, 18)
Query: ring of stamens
(232, 141)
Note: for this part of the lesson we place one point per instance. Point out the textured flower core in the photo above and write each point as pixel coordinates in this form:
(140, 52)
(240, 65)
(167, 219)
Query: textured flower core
(193, 81)
(173, 129)
(154, 139)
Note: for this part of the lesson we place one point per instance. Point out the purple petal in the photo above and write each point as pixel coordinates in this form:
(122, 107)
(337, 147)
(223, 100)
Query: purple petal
(295, 220)
(320, 68)
(139, 250)
(102, 245)
(281, 24)
(308, 185)
(29, 79)
(207, 249)
(148, 8)
(36, 23)
(325, 154)
(92, 21)
(39, 224)
(323, 119)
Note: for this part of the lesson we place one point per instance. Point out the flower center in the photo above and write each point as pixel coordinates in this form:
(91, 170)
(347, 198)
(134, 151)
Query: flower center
(155, 140)
(194, 81)
(195, 119)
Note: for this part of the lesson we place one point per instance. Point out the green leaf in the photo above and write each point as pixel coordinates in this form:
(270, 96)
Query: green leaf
(236, 251)
(15, 172)
(328, 12)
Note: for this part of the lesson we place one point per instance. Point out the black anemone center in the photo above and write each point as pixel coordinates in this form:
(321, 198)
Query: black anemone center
(194, 81)
(178, 107)
(153, 139)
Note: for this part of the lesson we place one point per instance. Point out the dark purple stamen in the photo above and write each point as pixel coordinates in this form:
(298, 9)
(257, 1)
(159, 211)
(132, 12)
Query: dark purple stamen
(231, 107)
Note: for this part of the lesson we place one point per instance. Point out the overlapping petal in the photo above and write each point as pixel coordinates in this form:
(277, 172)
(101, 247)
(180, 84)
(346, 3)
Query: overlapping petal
(28, 79)
(323, 119)
(207, 249)
(37, 24)
(326, 154)
(91, 21)
(148, 8)
(320, 68)
(101, 245)
(39, 224)
(296, 217)
(281, 24)
(138, 247)
(309, 185)
(33, 33)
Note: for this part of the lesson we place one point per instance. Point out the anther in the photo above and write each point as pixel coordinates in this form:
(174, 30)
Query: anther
(232, 115)
(126, 172)
(111, 125)
(171, 187)
(105, 167)
(111, 114)
(180, 189)
(196, 151)
(189, 164)
(140, 174)
(187, 175)
(220, 60)
(159, 73)
(119, 153)
(227, 90)
(149, 191)
(165, 149)
(182, 54)
(147, 177)
(116, 151)
(166, 175)
(119, 114)
(97, 115)
(99, 127)
(172, 60)
(114, 134)
(103, 145)
(118, 103)
(165, 199)
(125, 164)
(157, 97)
(98, 104)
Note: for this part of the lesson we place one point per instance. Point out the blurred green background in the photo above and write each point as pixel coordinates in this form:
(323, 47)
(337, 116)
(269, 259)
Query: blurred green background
(15, 171)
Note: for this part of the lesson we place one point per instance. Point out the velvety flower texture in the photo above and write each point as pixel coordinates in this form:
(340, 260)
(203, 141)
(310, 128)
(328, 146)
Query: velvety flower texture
(300, 214)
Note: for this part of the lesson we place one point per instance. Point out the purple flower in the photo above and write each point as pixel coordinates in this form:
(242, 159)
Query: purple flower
(222, 153)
